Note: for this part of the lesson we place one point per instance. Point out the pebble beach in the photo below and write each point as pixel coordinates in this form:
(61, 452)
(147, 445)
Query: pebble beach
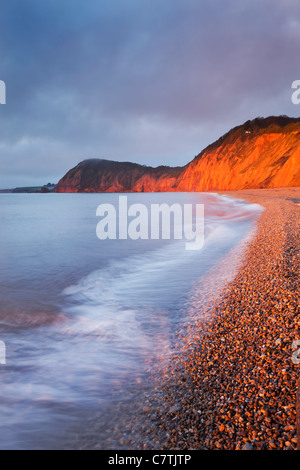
(233, 384)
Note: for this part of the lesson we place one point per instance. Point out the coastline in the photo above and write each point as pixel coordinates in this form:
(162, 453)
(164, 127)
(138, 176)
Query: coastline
(234, 384)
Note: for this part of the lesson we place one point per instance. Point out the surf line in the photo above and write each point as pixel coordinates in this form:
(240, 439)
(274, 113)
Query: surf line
(2, 92)
(162, 221)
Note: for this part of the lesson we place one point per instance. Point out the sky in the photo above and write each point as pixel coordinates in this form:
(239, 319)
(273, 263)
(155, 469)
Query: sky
(148, 81)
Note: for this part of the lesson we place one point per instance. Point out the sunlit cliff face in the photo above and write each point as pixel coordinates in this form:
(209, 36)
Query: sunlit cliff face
(263, 153)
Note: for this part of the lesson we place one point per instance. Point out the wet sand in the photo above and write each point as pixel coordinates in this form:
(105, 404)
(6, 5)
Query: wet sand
(233, 383)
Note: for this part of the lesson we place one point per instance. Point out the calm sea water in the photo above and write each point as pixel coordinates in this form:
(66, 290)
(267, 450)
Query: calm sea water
(81, 317)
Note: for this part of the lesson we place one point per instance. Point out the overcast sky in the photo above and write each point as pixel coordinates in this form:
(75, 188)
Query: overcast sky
(148, 81)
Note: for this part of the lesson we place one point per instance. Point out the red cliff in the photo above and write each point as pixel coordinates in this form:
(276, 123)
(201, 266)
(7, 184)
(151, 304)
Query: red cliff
(263, 153)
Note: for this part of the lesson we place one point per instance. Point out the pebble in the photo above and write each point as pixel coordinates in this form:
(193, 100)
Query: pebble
(247, 446)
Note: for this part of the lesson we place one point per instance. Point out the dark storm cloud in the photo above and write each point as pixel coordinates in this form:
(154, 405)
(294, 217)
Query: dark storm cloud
(152, 82)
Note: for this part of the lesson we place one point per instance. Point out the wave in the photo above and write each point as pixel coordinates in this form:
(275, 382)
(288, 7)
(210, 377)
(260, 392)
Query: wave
(135, 303)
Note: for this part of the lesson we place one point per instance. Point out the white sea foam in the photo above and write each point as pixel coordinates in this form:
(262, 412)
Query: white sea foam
(118, 305)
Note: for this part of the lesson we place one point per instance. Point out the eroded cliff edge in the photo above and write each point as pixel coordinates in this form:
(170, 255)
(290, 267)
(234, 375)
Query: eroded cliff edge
(262, 153)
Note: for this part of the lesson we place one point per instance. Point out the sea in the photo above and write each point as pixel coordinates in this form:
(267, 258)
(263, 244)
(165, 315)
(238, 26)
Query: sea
(81, 318)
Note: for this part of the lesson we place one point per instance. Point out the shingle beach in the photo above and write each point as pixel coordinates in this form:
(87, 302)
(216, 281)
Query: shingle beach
(233, 385)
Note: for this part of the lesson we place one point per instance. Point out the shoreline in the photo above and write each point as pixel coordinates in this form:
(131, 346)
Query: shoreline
(234, 383)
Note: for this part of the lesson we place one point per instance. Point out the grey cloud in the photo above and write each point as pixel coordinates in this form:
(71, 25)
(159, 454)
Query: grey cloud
(152, 82)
